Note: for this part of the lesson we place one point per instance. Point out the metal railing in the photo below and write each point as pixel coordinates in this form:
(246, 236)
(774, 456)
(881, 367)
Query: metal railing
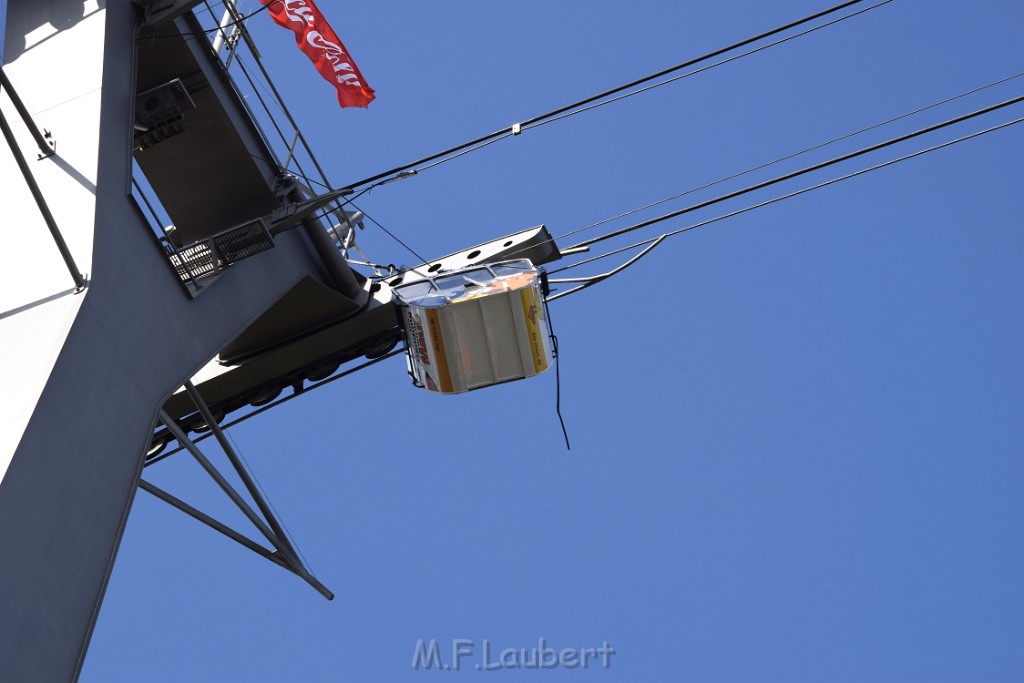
(238, 52)
(288, 148)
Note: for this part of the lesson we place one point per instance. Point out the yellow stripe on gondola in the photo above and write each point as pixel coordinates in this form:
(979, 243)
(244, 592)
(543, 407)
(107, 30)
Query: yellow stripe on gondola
(533, 311)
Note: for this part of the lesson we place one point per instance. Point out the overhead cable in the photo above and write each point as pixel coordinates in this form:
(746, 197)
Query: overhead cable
(792, 155)
(800, 172)
(515, 129)
(650, 244)
(758, 167)
(702, 69)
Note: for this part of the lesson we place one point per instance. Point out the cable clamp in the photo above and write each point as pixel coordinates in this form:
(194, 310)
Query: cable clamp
(517, 128)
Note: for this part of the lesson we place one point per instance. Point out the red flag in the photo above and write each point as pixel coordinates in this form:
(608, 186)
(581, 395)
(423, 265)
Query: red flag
(320, 43)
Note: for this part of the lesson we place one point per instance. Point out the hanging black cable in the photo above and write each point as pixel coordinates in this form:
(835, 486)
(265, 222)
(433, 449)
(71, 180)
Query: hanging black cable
(558, 378)
(800, 172)
(516, 128)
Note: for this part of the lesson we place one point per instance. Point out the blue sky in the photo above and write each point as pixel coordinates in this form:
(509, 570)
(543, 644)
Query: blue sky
(3, 32)
(797, 435)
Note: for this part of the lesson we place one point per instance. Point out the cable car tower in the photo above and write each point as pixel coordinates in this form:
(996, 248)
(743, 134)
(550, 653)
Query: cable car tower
(161, 268)
(173, 260)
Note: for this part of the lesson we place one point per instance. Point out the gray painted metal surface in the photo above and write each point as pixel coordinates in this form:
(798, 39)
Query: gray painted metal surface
(134, 338)
(86, 373)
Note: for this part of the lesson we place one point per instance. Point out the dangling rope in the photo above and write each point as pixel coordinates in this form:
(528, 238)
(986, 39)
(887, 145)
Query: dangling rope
(558, 378)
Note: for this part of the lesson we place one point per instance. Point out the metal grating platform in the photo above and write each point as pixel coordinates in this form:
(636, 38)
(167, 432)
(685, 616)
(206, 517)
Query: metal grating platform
(243, 241)
(210, 256)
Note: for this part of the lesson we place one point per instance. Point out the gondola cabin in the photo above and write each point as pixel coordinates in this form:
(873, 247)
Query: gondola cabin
(475, 327)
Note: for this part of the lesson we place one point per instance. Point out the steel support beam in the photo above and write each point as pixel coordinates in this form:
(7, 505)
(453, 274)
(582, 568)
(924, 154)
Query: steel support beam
(218, 477)
(209, 521)
(278, 540)
(236, 462)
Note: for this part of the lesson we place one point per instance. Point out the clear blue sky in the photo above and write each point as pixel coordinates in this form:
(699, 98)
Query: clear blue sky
(798, 445)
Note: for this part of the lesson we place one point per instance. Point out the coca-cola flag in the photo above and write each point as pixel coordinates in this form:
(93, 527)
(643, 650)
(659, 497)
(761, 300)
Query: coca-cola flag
(320, 43)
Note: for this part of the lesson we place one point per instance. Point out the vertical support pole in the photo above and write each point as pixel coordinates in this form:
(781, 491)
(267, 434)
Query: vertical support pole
(225, 21)
(37, 194)
(46, 146)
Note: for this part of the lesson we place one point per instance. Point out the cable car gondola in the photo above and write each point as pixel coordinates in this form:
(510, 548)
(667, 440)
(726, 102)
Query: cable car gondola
(475, 327)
